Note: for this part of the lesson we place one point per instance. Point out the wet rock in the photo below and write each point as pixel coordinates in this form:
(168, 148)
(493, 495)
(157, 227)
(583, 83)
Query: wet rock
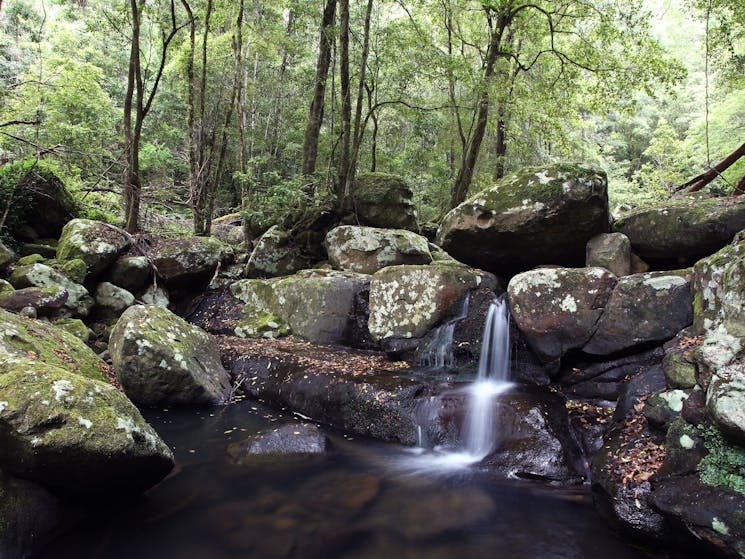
(367, 249)
(95, 243)
(643, 308)
(28, 513)
(79, 302)
(408, 301)
(318, 305)
(187, 264)
(75, 434)
(130, 272)
(562, 205)
(23, 339)
(385, 201)
(303, 438)
(611, 251)
(557, 309)
(359, 392)
(45, 300)
(648, 381)
(275, 254)
(216, 312)
(687, 229)
(111, 301)
(160, 358)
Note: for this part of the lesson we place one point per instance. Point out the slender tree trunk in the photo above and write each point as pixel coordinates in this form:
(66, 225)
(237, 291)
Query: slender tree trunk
(315, 116)
(697, 183)
(131, 134)
(344, 200)
(277, 112)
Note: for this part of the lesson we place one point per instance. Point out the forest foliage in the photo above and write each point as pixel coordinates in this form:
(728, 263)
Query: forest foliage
(449, 94)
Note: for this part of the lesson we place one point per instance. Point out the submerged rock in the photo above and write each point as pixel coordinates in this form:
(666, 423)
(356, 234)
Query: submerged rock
(561, 205)
(78, 303)
(367, 249)
(294, 438)
(95, 243)
(160, 358)
(386, 201)
(691, 228)
(75, 434)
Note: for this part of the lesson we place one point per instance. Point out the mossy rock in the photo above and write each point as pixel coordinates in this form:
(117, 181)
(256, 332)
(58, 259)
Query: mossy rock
(6, 286)
(74, 326)
(187, 262)
(46, 301)
(274, 255)
(75, 434)
(131, 272)
(679, 368)
(111, 301)
(383, 200)
(540, 215)
(6, 255)
(79, 301)
(160, 358)
(30, 259)
(23, 339)
(74, 269)
(719, 288)
(95, 243)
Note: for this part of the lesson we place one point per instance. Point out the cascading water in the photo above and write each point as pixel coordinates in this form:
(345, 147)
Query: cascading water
(439, 351)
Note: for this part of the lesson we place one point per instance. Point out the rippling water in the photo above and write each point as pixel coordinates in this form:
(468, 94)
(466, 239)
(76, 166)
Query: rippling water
(362, 500)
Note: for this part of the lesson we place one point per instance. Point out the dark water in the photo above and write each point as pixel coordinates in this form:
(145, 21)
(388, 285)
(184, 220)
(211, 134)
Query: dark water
(363, 500)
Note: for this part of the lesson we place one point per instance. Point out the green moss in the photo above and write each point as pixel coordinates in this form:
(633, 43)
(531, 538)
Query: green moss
(74, 269)
(30, 259)
(724, 464)
(74, 326)
(6, 287)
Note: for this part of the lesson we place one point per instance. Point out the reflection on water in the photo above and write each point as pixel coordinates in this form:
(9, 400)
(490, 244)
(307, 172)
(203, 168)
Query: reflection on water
(361, 501)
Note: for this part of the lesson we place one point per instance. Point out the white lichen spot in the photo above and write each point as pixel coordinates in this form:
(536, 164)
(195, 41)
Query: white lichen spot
(569, 304)
(719, 526)
(36, 441)
(686, 442)
(720, 347)
(664, 282)
(543, 177)
(87, 423)
(3, 406)
(674, 399)
(62, 389)
(532, 280)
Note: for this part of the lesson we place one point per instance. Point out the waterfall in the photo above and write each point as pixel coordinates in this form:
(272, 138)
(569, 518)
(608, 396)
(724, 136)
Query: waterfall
(439, 351)
(480, 429)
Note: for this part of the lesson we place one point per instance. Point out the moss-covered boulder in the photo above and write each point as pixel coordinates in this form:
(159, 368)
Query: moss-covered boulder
(719, 288)
(276, 255)
(187, 263)
(6, 286)
(611, 251)
(557, 309)
(46, 300)
(318, 305)
(685, 229)
(79, 301)
(383, 200)
(74, 326)
(643, 308)
(74, 269)
(30, 259)
(130, 272)
(95, 243)
(680, 368)
(111, 301)
(408, 301)
(6, 255)
(541, 215)
(368, 249)
(28, 513)
(74, 434)
(160, 358)
(23, 339)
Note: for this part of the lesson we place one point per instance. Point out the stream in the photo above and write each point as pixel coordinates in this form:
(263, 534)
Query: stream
(363, 499)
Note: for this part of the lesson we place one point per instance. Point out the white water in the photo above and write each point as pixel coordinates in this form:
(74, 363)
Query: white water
(439, 351)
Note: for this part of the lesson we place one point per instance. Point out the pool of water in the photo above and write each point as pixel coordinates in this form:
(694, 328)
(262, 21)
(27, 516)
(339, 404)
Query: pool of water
(362, 500)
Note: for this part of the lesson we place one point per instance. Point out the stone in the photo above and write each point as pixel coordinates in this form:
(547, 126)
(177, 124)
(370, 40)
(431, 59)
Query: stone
(76, 327)
(662, 408)
(611, 251)
(366, 250)
(386, 201)
(46, 248)
(562, 205)
(188, 263)
(6, 255)
(408, 301)
(725, 397)
(130, 272)
(45, 300)
(158, 297)
(557, 309)
(28, 514)
(719, 289)
(94, 242)
(79, 301)
(275, 255)
(23, 339)
(638, 266)
(6, 286)
(76, 435)
(680, 369)
(643, 308)
(318, 305)
(112, 301)
(686, 229)
(75, 270)
(159, 358)
(30, 259)
(50, 206)
(294, 438)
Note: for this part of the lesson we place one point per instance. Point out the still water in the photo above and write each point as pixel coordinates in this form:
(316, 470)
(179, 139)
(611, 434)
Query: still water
(363, 500)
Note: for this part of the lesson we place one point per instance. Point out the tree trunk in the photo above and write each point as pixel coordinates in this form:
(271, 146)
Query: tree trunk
(344, 201)
(697, 183)
(132, 134)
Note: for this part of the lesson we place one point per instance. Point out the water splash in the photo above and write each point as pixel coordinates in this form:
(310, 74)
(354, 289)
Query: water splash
(439, 351)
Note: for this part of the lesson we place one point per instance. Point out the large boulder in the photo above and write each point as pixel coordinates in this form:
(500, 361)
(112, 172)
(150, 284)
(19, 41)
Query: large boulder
(318, 305)
(643, 308)
(187, 263)
(408, 301)
(367, 249)
(386, 201)
(74, 434)
(611, 251)
(719, 288)
(95, 243)
(79, 301)
(111, 301)
(23, 339)
(557, 309)
(685, 230)
(160, 358)
(275, 254)
(49, 206)
(130, 272)
(539, 213)
(45, 300)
